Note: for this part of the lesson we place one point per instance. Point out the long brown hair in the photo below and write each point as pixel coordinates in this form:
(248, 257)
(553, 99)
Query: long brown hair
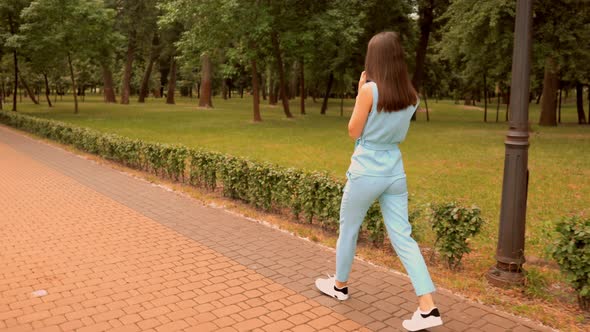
(385, 65)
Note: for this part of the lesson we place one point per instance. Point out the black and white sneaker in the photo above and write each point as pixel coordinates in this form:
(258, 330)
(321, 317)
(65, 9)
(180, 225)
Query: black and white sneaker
(328, 287)
(421, 321)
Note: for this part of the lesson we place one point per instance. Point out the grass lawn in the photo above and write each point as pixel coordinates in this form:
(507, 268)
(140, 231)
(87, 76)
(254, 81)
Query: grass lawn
(455, 156)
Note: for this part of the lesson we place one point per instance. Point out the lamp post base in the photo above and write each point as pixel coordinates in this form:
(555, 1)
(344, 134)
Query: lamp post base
(505, 277)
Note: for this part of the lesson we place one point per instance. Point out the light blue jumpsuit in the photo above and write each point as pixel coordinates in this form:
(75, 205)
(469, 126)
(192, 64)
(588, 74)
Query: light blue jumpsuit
(376, 172)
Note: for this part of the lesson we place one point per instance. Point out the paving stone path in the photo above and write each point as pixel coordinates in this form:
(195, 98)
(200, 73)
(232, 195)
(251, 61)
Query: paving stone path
(116, 253)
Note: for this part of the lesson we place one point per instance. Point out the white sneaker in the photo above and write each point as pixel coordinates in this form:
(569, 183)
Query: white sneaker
(422, 321)
(328, 287)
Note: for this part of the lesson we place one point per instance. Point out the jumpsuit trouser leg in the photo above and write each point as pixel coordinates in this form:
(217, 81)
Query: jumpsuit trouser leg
(359, 194)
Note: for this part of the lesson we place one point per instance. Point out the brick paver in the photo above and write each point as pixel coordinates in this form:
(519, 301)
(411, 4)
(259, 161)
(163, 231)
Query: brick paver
(118, 253)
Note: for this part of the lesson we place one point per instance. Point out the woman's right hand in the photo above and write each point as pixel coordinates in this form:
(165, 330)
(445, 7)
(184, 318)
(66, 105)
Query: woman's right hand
(362, 80)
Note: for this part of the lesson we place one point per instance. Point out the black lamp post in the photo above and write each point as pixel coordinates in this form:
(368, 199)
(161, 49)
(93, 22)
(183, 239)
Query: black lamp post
(510, 251)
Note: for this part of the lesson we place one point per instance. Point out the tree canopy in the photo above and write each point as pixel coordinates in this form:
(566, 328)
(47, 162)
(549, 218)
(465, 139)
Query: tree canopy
(284, 49)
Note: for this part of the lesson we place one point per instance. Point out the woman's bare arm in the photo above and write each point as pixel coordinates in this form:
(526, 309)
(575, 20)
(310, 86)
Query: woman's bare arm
(362, 107)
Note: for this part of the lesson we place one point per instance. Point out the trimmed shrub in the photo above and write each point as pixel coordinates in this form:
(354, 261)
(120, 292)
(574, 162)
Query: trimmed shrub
(203, 169)
(374, 225)
(286, 193)
(454, 225)
(175, 161)
(233, 173)
(572, 253)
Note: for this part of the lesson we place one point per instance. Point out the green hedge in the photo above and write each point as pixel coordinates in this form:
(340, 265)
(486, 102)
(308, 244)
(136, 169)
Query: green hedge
(572, 252)
(454, 225)
(311, 197)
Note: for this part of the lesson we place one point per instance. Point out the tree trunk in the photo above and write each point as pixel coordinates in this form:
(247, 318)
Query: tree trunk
(272, 96)
(255, 92)
(171, 83)
(342, 104)
(580, 103)
(506, 97)
(164, 72)
(108, 86)
(224, 89)
(485, 98)
(467, 99)
(550, 84)
(328, 89)
(205, 98)
(302, 86)
(145, 82)
(425, 21)
(47, 90)
(559, 104)
(282, 89)
(15, 61)
(507, 104)
(263, 86)
(184, 91)
(498, 108)
(277, 93)
(73, 83)
(1, 94)
(28, 90)
(126, 89)
(293, 83)
(426, 104)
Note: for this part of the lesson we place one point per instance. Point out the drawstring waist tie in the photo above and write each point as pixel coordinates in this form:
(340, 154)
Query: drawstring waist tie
(375, 145)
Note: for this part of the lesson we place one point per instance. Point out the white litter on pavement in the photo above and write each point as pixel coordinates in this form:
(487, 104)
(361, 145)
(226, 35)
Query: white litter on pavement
(39, 293)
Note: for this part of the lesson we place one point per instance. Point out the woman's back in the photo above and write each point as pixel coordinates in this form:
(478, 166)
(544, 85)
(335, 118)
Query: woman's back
(376, 152)
(387, 127)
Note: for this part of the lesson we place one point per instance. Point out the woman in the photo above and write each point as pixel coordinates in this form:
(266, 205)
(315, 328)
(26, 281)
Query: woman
(384, 107)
